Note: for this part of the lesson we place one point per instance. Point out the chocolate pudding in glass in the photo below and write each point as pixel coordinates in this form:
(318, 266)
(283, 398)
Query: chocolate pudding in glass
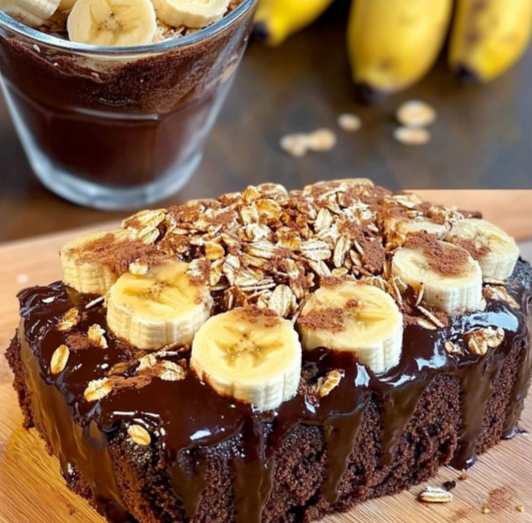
(125, 126)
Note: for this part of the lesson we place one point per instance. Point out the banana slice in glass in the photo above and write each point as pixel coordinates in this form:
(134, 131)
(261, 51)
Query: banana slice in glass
(249, 354)
(162, 307)
(190, 13)
(354, 317)
(32, 13)
(494, 249)
(112, 23)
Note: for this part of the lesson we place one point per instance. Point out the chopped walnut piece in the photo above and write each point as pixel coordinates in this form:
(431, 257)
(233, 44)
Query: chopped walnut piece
(97, 335)
(435, 495)
(59, 359)
(139, 435)
(98, 389)
(69, 320)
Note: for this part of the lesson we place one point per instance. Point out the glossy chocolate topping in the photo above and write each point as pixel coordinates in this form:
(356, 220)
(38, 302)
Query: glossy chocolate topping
(187, 417)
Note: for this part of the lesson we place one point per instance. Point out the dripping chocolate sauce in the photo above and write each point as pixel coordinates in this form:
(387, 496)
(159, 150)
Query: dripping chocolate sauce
(187, 417)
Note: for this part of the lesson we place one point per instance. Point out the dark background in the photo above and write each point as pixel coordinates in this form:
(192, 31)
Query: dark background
(482, 138)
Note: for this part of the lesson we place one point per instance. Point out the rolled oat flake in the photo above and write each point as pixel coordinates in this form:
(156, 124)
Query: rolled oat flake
(349, 122)
(412, 135)
(416, 113)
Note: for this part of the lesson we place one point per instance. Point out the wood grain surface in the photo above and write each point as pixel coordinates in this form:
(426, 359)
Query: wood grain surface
(33, 491)
(482, 138)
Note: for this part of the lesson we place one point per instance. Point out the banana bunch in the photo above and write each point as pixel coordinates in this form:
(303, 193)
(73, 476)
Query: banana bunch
(393, 43)
(117, 23)
(276, 20)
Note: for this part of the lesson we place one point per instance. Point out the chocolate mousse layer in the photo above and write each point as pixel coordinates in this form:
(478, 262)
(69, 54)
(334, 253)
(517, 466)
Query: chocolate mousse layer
(122, 122)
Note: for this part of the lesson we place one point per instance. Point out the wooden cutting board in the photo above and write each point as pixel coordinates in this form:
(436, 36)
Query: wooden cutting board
(33, 491)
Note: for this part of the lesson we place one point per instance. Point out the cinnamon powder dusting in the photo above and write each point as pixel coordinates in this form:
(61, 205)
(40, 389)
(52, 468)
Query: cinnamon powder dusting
(117, 254)
(254, 313)
(331, 318)
(476, 252)
(79, 341)
(443, 258)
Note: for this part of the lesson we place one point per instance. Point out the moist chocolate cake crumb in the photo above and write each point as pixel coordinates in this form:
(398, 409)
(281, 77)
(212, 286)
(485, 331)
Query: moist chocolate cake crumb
(449, 485)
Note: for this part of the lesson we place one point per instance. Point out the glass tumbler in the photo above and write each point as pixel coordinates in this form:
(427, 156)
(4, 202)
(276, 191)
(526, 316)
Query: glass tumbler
(118, 127)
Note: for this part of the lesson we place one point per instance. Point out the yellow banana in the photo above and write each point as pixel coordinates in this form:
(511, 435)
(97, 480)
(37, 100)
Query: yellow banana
(489, 36)
(276, 20)
(393, 43)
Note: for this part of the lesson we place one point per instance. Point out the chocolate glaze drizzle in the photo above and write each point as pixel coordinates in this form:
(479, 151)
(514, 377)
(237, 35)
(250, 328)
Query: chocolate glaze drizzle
(187, 417)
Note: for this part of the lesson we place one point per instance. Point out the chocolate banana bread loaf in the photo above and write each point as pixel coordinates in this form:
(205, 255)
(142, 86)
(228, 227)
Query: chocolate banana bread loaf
(275, 356)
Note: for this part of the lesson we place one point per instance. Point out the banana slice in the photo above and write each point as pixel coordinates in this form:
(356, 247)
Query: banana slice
(66, 5)
(190, 13)
(83, 261)
(455, 290)
(496, 251)
(396, 225)
(250, 354)
(32, 13)
(354, 317)
(162, 307)
(112, 22)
